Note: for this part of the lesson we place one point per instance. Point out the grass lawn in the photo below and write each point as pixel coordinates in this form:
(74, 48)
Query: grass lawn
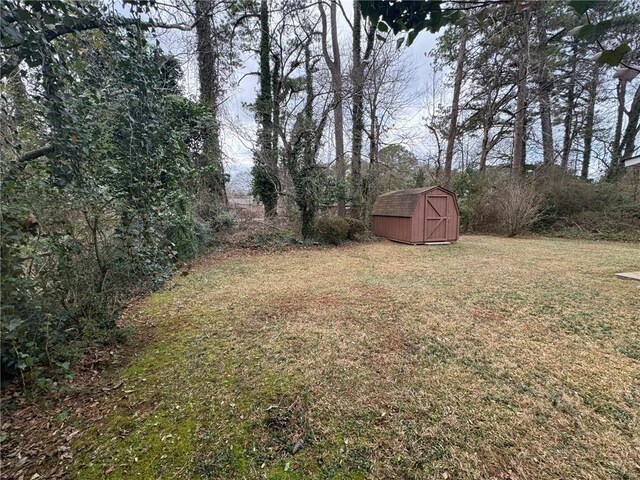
(490, 358)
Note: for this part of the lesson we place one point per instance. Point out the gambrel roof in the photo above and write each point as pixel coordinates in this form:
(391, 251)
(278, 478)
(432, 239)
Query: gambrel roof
(399, 203)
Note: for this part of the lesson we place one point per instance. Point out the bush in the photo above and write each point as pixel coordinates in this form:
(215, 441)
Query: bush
(223, 220)
(357, 228)
(466, 214)
(497, 205)
(518, 207)
(334, 230)
(274, 234)
(187, 235)
(103, 220)
(574, 207)
(567, 194)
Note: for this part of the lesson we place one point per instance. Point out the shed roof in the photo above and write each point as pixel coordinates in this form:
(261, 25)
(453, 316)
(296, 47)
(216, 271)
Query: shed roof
(399, 203)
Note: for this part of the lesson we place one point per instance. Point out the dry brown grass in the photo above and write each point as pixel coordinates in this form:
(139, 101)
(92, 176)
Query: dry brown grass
(491, 358)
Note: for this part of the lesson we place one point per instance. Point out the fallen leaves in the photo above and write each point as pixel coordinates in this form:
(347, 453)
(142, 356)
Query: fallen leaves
(37, 437)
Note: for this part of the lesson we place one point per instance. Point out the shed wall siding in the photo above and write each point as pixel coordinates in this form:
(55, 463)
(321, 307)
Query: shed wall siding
(417, 222)
(453, 227)
(394, 228)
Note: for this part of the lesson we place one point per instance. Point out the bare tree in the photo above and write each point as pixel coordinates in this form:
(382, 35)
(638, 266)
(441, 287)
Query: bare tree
(266, 168)
(519, 142)
(385, 95)
(432, 101)
(544, 85)
(455, 105)
(335, 67)
(357, 85)
(569, 107)
(592, 91)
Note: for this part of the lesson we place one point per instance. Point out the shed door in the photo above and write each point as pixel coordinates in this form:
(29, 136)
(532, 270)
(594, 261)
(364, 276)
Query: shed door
(436, 218)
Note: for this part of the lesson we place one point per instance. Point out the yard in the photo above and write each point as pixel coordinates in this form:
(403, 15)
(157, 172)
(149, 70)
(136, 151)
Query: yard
(491, 358)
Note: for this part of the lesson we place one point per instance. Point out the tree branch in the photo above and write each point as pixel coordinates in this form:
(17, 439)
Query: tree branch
(37, 153)
(325, 52)
(90, 24)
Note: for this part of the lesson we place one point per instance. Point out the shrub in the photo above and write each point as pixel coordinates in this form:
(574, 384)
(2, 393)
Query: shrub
(569, 194)
(466, 214)
(223, 220)
(577, 208)
(105, 218)
(357, 228)
(272, 234)
(494, 204)
(518, 207)
(187, 235)
(566, 195)
(466, 185)
(334, 230)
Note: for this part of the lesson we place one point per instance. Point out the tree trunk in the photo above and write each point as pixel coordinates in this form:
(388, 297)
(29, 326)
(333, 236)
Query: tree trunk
(337, 112)
(266, 168)
(455, 103)
(357, 83)
(519, 145)
(51, 90)
(628, 142)
(372, 177)
(592, 90)
(276, 88)
(568, 116)
(357, 129)
(484, 152)
(544, 86)
(307, 219)
(622, 96)
(335, 69)
(486, 129)
(211, 161)
(308, 211)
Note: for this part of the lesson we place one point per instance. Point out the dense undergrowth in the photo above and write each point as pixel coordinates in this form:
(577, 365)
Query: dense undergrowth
(106, 217)
(551, 203)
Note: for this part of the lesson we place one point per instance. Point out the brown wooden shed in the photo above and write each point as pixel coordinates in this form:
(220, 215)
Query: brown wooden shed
(417, 215)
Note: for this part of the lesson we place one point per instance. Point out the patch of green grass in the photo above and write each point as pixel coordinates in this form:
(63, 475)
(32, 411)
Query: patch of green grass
(631, 347)
(160, 445)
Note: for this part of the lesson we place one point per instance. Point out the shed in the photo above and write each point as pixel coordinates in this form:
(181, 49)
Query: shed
(417, 216)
